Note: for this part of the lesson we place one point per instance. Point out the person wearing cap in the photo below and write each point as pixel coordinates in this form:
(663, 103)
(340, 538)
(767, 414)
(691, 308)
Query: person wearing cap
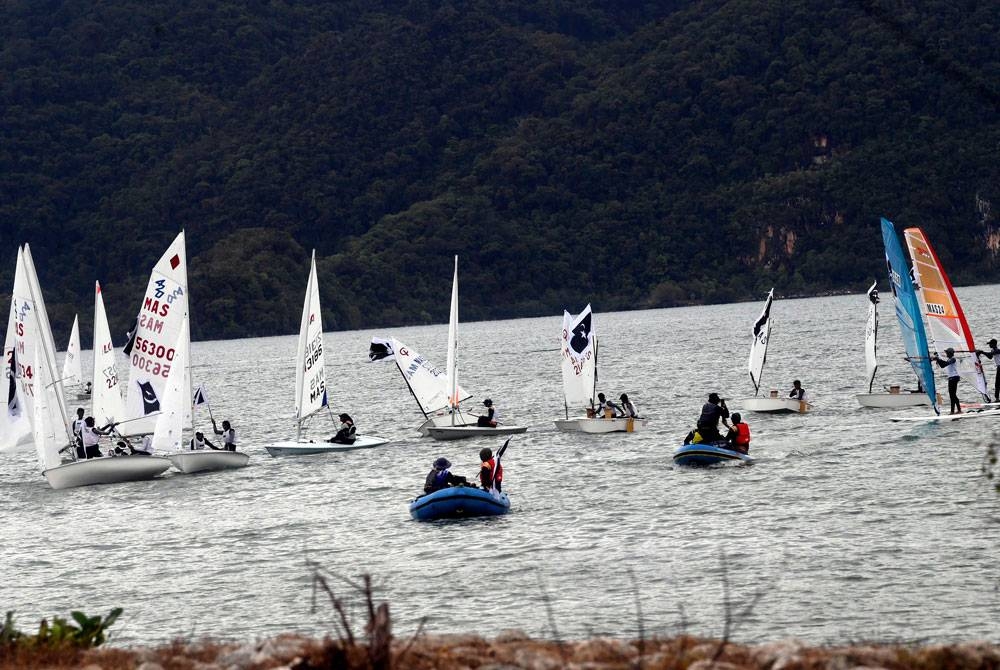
(951, 369)
(994, 355)
(739, 435)
(440, 477)
(628, 407)
(347, 433)
(606, 409)
(711, 413)
(490, 472)
(797, 391)
(487, 420)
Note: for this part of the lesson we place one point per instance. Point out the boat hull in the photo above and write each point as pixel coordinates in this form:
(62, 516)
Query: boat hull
(204, 461)
(970, 414)
(462, 432)
(443, 420)
(775, 405)
(892, 399)
(292, 448)
(459, 502)
(599, 426)
(706, 455)
(105, 470)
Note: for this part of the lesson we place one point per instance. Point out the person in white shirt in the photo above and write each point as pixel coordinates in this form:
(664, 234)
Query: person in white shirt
(628, 407)
(78, 425)
(228, 435)
(91, 437)
(199, 441)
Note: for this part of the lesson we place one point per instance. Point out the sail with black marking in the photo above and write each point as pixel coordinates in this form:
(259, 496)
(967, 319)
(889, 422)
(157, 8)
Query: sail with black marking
(871, 336)
(758, 348)
(579, 360)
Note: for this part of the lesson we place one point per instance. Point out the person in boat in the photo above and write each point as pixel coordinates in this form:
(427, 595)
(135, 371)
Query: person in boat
(994, 355)
(88, 388)
(490, 472)
(712, 412)
(488, 420)
(628, 407)
(199, 442)
(347, 434)
(228, 434)
(798, 392)
(440, 477)
(90, 438)
(78, 425)
(950, 364)
(607, 409)
(739, 435)
(145, 447)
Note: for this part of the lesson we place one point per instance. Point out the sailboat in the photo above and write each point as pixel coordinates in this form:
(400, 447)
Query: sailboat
(310, 381)
(456, 431)
(758, 357)
(43, 392)
(578, 343)
(72, 372)
(15, 420)
(895, 397)
(427, 384)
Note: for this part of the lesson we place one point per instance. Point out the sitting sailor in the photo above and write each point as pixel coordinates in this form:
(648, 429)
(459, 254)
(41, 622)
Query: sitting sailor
(607, 409)
(798, 392)
(711, 413)
(440, 477)
(347, 433)
(199, 442)
(488, 420)
(228, 435)
(628, 407)
(88, 388)
(739, 435)
(490, 472)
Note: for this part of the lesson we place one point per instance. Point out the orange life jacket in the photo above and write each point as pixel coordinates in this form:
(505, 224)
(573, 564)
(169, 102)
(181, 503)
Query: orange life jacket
(742, 434)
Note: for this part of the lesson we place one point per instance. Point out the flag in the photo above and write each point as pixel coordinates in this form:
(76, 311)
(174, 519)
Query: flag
(130, 337)
(381, 350)
(150, 403)
(325, 403)
(873, 295)
(200, 397)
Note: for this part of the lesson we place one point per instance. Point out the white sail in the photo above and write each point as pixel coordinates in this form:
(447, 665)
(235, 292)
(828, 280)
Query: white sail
(15, 416)
(428, 385)
(579, 360)
(175, 402)
(871, 336)
(42, 426)
(150, 349)
(452, 369)
(758, 349)
(106, 396)
(310, 373)
(72, 372)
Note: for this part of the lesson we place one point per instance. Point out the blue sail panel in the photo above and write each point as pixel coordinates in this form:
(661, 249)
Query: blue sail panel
(908, 312)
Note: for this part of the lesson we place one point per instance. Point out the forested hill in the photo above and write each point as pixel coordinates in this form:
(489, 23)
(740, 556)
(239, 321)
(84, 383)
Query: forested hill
(630, 154)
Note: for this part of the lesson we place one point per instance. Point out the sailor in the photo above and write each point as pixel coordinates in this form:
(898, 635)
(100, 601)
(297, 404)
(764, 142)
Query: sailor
(88, 388)
(993, 354)
(78, 425)
(199, 442)
(90, 439)
(145, 447)
(440, 477)
(347, 433)
(228, 435)
(490, 472)
(798, 392)
(951, 369)
(489, 419)
(711, 412)
(628, 407)
(739, 435)
(607, 409)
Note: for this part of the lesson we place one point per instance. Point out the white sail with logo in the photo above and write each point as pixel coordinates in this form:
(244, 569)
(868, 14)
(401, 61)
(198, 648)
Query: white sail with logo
(15, 417)
(758, 347)
(579, 361)
(428, 384)
(175, 403)
(150, 349)
(108, 405)
(871, 336)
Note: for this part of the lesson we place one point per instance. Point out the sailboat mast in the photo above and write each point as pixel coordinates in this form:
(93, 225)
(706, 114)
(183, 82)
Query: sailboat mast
(453, 347)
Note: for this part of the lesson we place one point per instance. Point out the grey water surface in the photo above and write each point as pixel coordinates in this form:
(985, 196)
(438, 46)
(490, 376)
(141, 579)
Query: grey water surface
(847, 528)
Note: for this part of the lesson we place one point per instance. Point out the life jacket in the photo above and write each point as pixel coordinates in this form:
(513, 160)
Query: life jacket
(496, 471)
(441, 479)
(742, 434)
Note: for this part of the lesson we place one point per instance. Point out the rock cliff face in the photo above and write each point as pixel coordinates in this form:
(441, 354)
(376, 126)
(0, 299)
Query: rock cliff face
(511, 650)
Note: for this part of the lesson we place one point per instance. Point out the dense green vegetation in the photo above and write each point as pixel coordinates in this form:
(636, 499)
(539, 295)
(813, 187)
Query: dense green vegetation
(641, 155)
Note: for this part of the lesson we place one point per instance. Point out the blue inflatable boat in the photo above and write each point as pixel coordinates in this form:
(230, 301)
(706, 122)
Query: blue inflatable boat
(703, 455)
(457, 502)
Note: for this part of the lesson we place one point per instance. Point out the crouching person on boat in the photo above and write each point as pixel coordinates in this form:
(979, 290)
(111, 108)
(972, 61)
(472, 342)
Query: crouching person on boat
(488, 420)
(606, 409)
(490, 472)
(199, 442)
(440, 477)
(348, 432)
(739, 435)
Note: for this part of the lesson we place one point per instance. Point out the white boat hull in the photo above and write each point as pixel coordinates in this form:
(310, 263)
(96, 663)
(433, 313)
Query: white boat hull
(443, 420)
(775, 405)
(292, 448)
(599, 426)
(892, 399)
(105, 470)
(202, 461)
(971, 414)
(461, 432)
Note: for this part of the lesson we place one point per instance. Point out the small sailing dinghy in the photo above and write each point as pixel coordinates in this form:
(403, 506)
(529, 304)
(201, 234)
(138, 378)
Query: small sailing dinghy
(457, 502)
(310, 382)
(579, 373)
(773, 403)
(427, 384)
(894, 397)
(705, 455)
(456, 431)
(72, 371)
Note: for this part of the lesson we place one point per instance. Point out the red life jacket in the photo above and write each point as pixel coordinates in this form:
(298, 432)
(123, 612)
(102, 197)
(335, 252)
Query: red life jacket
(742, 434)
(495, 472)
